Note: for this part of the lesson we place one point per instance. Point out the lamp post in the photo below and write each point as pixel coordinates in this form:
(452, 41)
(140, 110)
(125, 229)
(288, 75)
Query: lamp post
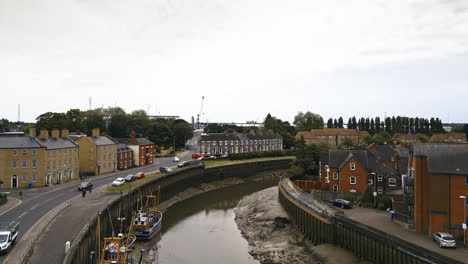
(464, 219)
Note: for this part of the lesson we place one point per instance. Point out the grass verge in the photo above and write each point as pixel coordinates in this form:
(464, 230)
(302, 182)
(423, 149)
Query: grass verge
(215, 163)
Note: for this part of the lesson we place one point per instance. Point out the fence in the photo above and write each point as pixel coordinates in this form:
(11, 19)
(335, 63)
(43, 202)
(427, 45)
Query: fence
(364, 241)
(171, 184)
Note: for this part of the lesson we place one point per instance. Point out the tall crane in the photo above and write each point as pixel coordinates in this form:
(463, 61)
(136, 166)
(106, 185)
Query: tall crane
(200, 113)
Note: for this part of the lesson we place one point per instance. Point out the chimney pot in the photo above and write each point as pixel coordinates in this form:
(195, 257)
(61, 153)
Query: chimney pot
(55, 133)
(65, 133)
(32, 131)
(96, 132)
(44, 134)
(132, 139)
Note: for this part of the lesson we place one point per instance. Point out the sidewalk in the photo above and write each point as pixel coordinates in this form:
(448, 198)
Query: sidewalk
(380, 220)
(10, 204)
(50, 245)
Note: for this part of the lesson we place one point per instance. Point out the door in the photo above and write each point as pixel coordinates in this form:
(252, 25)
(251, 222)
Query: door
(14, 181)
(59, 178)
(48, 178)
(70, 174)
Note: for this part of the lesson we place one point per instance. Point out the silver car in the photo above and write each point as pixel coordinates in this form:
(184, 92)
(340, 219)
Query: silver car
(445, 240)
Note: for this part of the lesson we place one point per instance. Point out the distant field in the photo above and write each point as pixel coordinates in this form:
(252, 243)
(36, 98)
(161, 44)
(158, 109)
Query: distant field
(208, 164)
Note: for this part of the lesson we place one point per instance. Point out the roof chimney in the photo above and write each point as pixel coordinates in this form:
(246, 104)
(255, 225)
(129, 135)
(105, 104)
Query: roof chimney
(65, 133)
(32, 131)
(132, 139)
(55, 133)
(96, 132)
(44, 134)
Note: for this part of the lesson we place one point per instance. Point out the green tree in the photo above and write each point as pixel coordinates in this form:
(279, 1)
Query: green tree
(117, 122)
(138, 121)
(75, 120)
(330, 123)
(181, 131)
(347, 142)
(308, 156)
(307, 121)
(94, 119)
(340, 122)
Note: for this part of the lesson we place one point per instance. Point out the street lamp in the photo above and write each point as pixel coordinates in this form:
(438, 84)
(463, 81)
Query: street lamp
(464, 219)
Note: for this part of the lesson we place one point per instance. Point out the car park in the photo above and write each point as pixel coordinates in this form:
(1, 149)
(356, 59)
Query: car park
(129, 178)
(176, 159)
(140, 175)
(165, 169)
(85, 186)
(445, 240)
(342, 203)
(118, 182)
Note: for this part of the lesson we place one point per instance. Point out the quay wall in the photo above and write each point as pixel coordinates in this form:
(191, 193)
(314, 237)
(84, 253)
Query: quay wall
(171, 184)
(321, 223)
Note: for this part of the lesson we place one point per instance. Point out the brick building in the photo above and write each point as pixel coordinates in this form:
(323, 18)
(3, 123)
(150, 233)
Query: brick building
(346, 170)
(143, 149)
(440, 174)
(226, 143)
(332, 136)
(124, 157)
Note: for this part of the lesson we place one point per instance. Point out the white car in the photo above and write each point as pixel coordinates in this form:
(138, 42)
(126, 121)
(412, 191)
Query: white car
(445, 240)
(176, 159)
(118, 182)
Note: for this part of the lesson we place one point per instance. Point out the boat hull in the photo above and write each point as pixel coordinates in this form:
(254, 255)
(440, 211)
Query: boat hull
(152, 231)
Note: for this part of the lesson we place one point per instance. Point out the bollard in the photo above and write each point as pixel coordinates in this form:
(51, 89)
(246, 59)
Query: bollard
(67, 246)
(91, 257)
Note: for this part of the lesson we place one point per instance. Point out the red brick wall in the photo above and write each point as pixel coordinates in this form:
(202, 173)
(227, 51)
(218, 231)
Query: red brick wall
(345, 174)
(122, 160)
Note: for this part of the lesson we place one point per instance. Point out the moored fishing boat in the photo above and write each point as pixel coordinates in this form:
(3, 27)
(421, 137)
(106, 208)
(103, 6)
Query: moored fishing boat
(148, 220)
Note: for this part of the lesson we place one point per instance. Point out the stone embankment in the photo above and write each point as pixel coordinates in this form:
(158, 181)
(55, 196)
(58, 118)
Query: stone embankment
(273, 239)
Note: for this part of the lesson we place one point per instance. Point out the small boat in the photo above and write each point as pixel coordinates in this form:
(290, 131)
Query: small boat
(111, 248)
(147, 221)
(115, 249)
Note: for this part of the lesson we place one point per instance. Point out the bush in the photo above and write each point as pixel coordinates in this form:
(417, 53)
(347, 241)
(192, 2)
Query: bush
(3, 198)
(366, 197)
(384, 202)
(259, 154)
(350, 196)
(294, 171)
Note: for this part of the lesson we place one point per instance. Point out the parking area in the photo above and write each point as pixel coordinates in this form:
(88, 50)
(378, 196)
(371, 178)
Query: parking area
(381, 220)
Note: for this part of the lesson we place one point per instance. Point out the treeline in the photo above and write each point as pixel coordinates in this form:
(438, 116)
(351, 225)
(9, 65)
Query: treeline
(115, 122)
(230, 128)
(391, 125)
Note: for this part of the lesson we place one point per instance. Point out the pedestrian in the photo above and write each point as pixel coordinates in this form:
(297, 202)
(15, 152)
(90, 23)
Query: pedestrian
(21, 195)
(90, 187)
(392, 214)
(83, 193)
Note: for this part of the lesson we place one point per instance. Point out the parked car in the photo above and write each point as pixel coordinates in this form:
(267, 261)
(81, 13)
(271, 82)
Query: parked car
(165, 169)
(176, 159)
(195, 156)
(140, 175)
(85, 186)
(445, 240)
(206, 155)
(118, 182)
(342, 203)
(182, 164)
(129, 178)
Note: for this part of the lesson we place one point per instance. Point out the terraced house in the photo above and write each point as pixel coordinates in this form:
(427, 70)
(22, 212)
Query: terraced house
(226, 143)
(97, 154)
(22, 161)
(61, 158)
(143, 149)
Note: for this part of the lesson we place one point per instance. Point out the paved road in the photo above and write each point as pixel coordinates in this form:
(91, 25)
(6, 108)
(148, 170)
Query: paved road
(37, 202)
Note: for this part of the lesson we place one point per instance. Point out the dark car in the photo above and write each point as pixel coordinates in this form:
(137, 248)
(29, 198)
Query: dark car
(85, 186)
(165, 169)
(342, 203)
(129, 178)
(182, 164)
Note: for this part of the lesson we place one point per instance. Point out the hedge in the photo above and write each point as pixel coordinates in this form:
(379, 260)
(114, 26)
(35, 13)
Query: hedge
(260, 154)
(3, 198)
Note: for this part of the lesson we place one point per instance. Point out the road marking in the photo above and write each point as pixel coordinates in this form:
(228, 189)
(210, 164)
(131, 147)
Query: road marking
(34, 206)
(22, 215)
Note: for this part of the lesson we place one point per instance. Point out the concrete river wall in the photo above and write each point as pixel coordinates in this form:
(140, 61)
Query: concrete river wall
(171, 184)
(321, 223)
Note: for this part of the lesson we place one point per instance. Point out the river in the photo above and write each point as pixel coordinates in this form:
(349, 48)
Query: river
(202, 229)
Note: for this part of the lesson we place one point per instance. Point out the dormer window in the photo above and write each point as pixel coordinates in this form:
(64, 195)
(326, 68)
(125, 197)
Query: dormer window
(352, 166)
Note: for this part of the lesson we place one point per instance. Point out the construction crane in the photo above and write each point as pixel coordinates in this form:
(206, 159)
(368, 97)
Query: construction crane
(200, 113)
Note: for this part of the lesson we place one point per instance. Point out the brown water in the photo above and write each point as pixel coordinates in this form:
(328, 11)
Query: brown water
(202, 230)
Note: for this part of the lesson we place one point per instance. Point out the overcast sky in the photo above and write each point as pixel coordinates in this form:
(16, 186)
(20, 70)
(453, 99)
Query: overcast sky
(247, 57)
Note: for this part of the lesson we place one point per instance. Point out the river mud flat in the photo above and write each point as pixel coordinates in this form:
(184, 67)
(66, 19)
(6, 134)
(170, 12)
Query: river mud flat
(272, 237)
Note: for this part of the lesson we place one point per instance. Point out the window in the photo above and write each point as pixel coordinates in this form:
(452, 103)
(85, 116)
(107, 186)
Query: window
(60, 164)
(104, 157)
(121, 155)
(25, 178)
(125, 154)
(75, 150)
(25, 163)
(120, 164)
(392, 182)
(48, 165)
(352, 180)
(380, 178)
(14, 164)
(33, 178)
(69, 151)
(109, 166)
(380, 190)
(48, 154)
(15, 152)
(34, 162)
(335, 188)
(104, 148)
(370, 181)
(125, 164)
(34, 152)
(54, 153)
(109, 156)
(103, 165)
(326, 167)
(335, 175)
(25, 152)
(352, 166)
(55, 164)
(60, 152)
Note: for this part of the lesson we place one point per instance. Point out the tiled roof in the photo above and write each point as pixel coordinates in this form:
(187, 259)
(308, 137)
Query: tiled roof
(123, 148)
(338, 158)
(451, 136)
(444, 158)
(408, 136)
(402, 151)
(103, 140)
(384, 152)
(141, 141)
(59, 143)
(327, 132)
(9, 141)
(383, 169)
